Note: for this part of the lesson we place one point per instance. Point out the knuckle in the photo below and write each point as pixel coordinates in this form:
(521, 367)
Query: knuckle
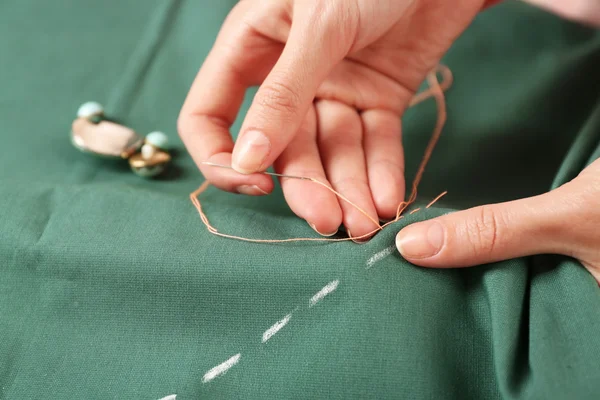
(330, 148)
(188, 123)
(320, 11)
(280, 97)
(350, 141)
(182, 121)
(590, 192)
(348, 183)
(390, 164)
(579, 206)
(335, 20)
(484, 230)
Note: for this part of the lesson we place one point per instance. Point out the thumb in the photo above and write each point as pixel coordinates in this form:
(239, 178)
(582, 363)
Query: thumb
(314, 46)
(487, 233)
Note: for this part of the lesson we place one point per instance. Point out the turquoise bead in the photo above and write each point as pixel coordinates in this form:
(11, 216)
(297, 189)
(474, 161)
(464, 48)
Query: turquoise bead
(89, 109)
(158, 139)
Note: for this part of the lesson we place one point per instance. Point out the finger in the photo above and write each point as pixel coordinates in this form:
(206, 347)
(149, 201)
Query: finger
(232, 181)
(213, 102)
(282, 101)
(487, 234)
(207, 138)
(490, 3)
(584, 11)
(385, 160)
(340, 145)
(312, 202)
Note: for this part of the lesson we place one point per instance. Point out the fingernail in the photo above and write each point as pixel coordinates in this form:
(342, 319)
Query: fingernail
(250, 190)
(320, 233)
(250, 152)
(422, 240)
(357, 241)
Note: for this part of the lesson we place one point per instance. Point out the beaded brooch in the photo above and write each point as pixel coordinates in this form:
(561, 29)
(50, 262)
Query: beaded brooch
(93, 133)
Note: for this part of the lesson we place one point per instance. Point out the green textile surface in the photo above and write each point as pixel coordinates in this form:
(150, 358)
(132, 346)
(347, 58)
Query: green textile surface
(111, 288)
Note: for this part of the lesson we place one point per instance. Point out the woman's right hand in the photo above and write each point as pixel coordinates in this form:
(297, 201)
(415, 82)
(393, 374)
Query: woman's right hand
(335, 78)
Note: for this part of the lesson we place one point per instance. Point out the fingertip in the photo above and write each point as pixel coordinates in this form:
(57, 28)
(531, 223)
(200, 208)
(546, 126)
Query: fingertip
(387, 189)
(359, 226)
(251, 190)
(321, 210)
(324, 233)
(421, 242)
(232, 181)
(385, 160)
(313, 203)
(250, 152)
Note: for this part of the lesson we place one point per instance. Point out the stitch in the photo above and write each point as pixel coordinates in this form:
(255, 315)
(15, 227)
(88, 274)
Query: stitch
(414, 211)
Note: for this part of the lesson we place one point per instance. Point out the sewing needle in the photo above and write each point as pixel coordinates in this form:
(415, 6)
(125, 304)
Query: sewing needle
(212, 164)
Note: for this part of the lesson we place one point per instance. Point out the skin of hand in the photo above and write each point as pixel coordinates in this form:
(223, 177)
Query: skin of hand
(563, 221)
(584, 11)
(334, 78)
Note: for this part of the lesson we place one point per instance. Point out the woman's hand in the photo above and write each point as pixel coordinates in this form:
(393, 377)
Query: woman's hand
(584, 11)
(564, 221)
(335, 77)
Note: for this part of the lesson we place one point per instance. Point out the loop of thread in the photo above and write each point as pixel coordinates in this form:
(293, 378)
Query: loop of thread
(436, 90)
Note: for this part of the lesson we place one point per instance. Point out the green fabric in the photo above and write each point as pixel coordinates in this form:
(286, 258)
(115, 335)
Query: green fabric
(110, 286)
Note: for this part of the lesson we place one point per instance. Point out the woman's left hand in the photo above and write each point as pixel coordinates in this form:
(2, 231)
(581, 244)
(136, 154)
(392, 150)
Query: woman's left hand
(564, 221)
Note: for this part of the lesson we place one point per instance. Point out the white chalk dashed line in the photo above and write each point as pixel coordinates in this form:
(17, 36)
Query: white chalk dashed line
(169, 397)
(330, 287)
(268, 334)
(380, 256)
(221, 368)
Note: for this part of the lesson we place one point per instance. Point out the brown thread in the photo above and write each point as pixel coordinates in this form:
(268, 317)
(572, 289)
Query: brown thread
(435, 90)
(414, 211)
(444, 85)
(436, 199)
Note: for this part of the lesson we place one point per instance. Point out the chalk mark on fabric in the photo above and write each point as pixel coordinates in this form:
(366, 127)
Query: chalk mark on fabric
(380, 256)
(169, 397)
(221, 368)
(268, 334)
(320, 295)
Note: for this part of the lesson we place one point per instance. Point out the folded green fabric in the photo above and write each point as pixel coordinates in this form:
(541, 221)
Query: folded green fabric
(110, 286)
